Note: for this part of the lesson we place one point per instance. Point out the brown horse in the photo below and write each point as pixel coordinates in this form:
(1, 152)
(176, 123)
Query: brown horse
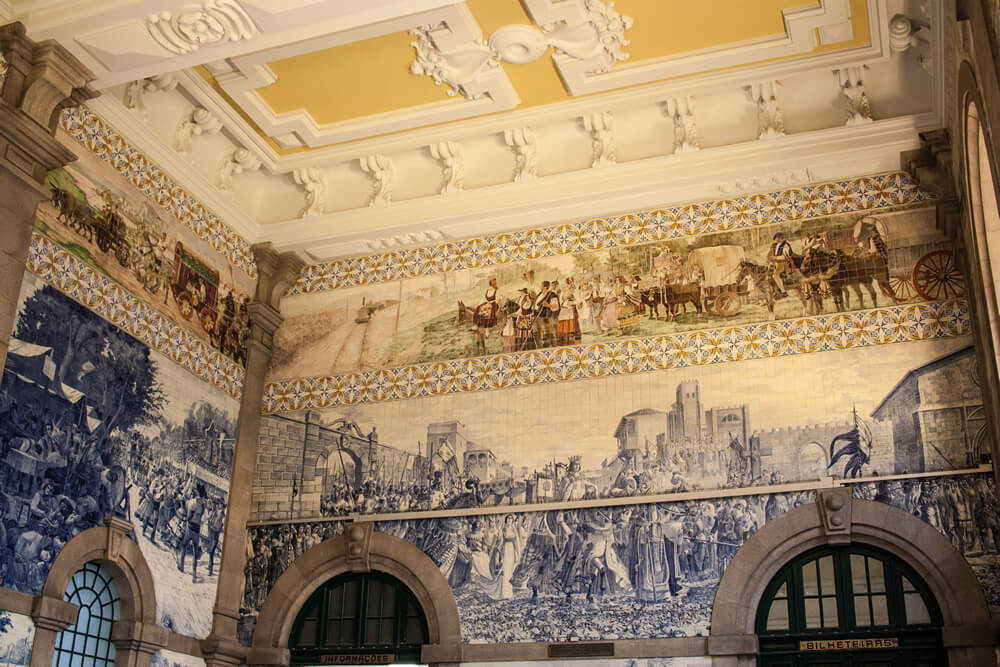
(864, 269)
(762, 279)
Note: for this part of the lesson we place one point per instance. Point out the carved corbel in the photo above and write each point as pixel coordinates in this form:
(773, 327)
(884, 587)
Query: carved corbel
(601, 126)
(380, 170)
(136, 91)
(852, 91)
(450, 155)
(522, 140)
(242, 161)
(359, 539)
(198, 123)
(835, 511)
(313, 181)
(681, 111)
(907, 34)
(770, 119)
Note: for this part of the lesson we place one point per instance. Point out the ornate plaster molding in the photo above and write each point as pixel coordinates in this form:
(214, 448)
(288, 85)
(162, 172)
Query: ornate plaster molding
(452, 160)
(770, 118)
(136, 91)
(198, 123)
(601, 126)
(906, 34)
(462, 69)
(762, 181)
(522, 140)
(240, 162)
(404, 239)
(313, 181)
(381, 171)
(191, 27)
(681, 111)
(852, 91)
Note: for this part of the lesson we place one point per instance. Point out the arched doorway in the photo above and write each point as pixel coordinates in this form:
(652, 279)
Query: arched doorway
(846, 606)
(359, 617)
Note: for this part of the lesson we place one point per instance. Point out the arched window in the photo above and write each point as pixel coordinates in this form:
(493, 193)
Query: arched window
(360, 614)
(87, 643)
(853, 598)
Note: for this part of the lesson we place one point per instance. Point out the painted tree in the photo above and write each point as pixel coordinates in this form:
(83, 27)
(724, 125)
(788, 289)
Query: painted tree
(113, 369)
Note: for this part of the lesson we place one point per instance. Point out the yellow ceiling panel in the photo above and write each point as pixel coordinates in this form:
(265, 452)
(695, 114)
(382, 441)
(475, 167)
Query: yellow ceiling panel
(352, 81)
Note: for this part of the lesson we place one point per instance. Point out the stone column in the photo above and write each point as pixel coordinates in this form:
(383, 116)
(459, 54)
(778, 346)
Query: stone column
(41, 80)
(276, 273)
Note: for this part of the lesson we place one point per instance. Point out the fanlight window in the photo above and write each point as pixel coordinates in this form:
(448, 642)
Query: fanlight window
(359, 613)
(87, 643)
(850, 589)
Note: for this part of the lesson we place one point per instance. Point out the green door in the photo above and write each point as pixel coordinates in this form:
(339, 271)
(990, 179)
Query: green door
(850, 606)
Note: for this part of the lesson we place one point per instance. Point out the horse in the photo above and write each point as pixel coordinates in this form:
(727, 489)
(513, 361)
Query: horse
(465, 314)
(819, 270)
(864, 269)
(762, 278)
(75, 212)
(672, 296)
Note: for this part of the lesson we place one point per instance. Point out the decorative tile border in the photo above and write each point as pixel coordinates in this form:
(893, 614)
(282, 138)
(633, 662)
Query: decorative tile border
(789, 205)
(837, 331)
(83, 284)
(104, 141)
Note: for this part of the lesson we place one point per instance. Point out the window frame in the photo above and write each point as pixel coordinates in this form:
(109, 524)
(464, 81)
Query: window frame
(104, 608)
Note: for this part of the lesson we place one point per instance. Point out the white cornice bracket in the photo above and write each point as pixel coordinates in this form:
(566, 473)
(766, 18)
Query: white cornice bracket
(192, 26)
(601, 126)
(522, 140)
(770, 119)
(313, 181)
(852, 91)
(136, 91)
(241, 161)
(450, 155)
(381, 171)
(199, 122)
(906, 34)
(681, 111)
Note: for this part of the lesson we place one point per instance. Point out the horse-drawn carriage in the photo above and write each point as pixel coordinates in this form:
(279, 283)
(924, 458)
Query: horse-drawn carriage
(106, 227)
(195, 288)
(717, 269)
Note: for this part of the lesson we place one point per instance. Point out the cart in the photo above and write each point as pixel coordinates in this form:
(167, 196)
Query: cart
(195, 288)
(717, 268)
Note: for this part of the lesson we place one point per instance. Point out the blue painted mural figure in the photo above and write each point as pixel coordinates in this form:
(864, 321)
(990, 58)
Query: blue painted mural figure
(93, 423)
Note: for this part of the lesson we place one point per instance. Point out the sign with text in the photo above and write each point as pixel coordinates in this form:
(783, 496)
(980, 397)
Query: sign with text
(848, 644)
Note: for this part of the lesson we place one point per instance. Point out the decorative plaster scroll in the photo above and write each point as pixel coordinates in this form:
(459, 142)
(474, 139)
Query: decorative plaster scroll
(199, 122)
(681, 111)
(194, 26)
(461, 67)
(522, 140)
(759, 182)
(906, 34)
(770, 119)
(404, 239)
(313, 180)
(136, 91)
(240, 162)
(381, 170)
(601, 126)
(587, 33)
(852, 91)
(449, 154)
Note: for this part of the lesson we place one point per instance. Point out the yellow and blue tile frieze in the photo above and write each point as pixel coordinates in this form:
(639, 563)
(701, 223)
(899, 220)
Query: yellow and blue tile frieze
(835, 331)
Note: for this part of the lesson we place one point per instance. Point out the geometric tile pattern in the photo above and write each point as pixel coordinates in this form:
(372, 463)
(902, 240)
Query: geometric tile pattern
(80, 282)
(836, 331)
(752, 210)
(99, 137)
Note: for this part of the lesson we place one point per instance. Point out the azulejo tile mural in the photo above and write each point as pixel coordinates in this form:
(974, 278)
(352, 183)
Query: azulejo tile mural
(106, 143)
(82, 283)
(601, 573)
(840, 331)
(724, 215)
(579, 305)
(16, 634)
(842, 413)
(94, 422)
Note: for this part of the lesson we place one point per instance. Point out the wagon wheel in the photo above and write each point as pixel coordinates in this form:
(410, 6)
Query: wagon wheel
(936, 277)
(902, 288)
(184, 304)
(207, 317)
(727, 304)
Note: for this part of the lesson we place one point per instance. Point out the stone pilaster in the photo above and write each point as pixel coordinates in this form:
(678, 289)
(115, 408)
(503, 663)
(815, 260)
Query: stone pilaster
(51, 615)
(42, 79)
(276, 273)
(135, 643)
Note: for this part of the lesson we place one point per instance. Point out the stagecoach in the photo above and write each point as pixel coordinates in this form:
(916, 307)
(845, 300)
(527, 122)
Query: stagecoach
(716, 268)
(921, 259)
(195, 288)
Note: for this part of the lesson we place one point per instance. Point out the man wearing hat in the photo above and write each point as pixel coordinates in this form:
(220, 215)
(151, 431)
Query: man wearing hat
(780, 259)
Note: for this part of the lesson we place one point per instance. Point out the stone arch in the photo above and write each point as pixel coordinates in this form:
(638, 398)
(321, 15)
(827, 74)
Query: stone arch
(837, 518)
(359, 549)
(136, 635)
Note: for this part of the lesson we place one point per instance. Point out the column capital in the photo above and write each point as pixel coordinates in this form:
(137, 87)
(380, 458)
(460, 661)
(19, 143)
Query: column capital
(222, 652)
(42, 79)
(139, 637)
(53, 614)
(276, 273)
